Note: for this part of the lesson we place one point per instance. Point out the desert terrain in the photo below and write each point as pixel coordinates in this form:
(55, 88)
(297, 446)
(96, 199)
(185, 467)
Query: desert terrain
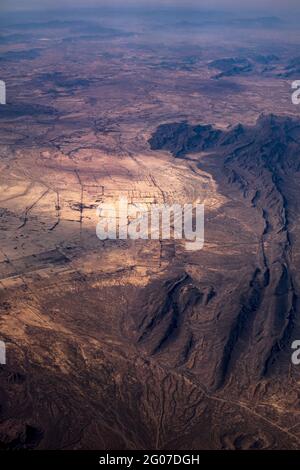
(124, 344)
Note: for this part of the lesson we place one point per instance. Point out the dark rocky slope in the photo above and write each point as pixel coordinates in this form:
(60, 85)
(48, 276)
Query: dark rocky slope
(258, 170)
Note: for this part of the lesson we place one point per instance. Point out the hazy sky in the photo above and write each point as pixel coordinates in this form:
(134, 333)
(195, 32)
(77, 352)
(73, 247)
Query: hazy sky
(267, 6)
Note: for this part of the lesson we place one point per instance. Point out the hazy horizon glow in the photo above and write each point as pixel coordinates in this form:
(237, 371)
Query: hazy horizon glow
(267, 6)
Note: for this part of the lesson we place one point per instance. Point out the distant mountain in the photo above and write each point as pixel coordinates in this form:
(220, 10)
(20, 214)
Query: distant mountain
(292, 69)
(259, 22)
(255, 63)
